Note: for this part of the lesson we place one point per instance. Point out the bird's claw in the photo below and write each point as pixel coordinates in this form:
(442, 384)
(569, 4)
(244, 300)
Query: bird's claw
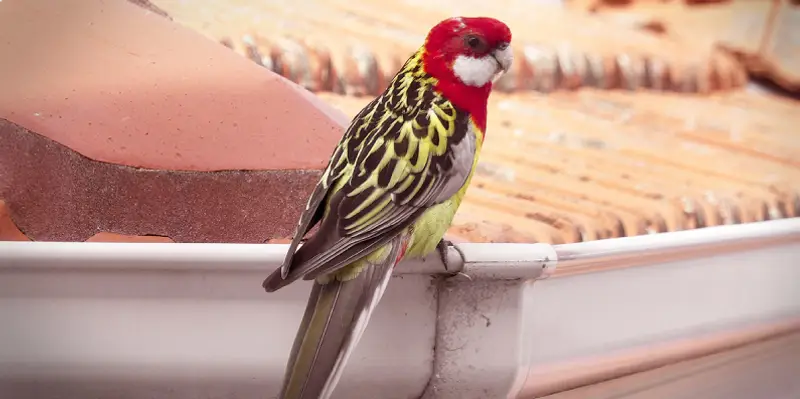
(443, 247)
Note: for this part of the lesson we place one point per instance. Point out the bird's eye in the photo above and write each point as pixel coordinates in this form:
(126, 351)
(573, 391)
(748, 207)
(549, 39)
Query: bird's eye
(476, 43)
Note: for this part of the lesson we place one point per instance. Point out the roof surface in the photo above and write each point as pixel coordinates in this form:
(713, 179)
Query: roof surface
(555, 48)
(575, 166)
(560, 167)
(567, 166)
(764, 34)
(115, 120)
(148, 111)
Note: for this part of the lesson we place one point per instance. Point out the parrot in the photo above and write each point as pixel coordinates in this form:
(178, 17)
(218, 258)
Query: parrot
(390, 191)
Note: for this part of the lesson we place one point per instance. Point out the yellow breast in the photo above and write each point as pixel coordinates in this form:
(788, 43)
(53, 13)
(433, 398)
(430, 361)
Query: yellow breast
(429, 229)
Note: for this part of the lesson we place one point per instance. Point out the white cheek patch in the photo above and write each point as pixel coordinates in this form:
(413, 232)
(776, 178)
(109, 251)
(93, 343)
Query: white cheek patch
(475, 71)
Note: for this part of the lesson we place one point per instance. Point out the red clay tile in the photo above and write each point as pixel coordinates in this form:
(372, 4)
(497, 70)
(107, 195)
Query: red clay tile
(778, 58)
(114, 237)
(200, 108)
(8, 230)
(556, 49)
(762, 33)
(604, 5)
(56, 194)
(285, 240)
(595, 164)
(96, 119)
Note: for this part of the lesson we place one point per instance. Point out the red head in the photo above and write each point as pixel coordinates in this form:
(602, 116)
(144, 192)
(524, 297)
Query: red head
(466, 55)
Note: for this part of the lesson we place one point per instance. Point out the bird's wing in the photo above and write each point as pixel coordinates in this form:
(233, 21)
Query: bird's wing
(388, 169)
(316, 204)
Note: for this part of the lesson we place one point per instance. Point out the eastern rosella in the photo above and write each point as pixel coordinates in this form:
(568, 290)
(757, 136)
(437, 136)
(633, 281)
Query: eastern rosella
(390, 191)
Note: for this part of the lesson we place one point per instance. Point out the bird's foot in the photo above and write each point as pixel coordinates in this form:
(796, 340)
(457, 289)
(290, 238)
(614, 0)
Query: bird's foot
(442, 247)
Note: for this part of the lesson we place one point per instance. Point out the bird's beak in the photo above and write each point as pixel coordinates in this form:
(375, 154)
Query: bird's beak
(504, 57)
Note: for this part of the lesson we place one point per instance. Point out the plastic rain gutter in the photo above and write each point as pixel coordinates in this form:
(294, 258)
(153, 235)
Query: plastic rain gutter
(116, 320)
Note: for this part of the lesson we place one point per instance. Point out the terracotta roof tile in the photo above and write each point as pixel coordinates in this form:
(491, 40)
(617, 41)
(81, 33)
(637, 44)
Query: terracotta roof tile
(341, 46)
(763, 33)
(114, 237)
(8, 229)
(161, 108)
(778, 57)
(564, 167)
(592, 164)
(140, 127)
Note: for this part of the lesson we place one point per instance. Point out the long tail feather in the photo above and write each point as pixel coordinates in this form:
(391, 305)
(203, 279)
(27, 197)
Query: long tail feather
(334, 321)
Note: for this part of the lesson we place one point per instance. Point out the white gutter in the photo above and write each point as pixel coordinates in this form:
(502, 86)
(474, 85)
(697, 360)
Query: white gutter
(137, 318)
(640, 250)
(510, 261)
(154, 256)
(490, 260)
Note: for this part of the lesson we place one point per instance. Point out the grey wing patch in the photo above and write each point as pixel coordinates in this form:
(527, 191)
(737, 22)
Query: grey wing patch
(310, 216)
(463, 156)
(315, 207)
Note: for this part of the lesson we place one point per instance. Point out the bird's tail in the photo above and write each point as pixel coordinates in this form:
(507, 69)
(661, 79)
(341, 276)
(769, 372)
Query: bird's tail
(335, 318)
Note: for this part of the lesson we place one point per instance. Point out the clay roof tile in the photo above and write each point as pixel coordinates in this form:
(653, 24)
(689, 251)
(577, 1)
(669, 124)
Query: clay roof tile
(117, 83)
(114, 120)
(556, 49)
(761, 33)
(597, 164)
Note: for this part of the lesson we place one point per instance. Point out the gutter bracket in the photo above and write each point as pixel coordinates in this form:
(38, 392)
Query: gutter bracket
(478, 347)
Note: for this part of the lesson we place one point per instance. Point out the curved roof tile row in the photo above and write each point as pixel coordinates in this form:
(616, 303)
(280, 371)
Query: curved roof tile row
(352, 47)
(569, 167)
